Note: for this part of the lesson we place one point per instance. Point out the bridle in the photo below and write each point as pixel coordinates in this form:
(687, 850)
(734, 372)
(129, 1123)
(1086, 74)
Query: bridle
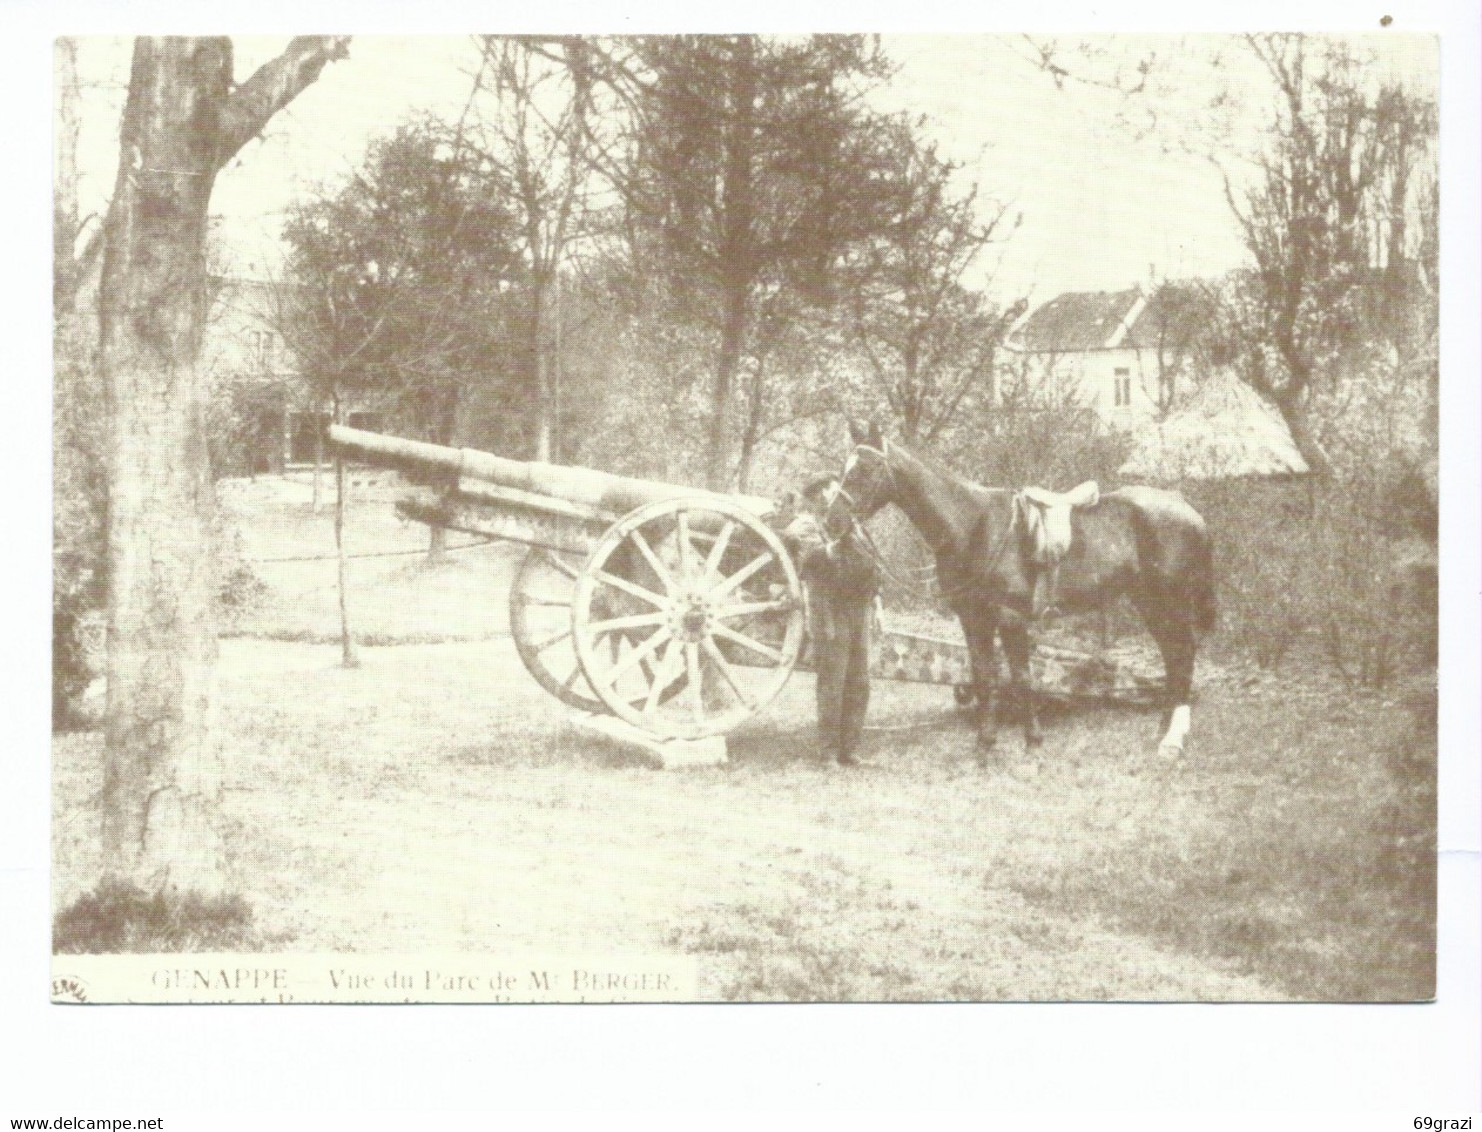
(862, 534)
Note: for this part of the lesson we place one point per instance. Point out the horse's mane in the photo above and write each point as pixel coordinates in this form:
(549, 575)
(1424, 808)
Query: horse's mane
(950, 510)
(937, 466)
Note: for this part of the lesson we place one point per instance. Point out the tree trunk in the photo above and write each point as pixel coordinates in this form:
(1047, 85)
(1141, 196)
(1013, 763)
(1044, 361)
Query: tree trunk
(349, 646)
(553, 415)
(1304, 438)
(751, 435)
(161, 777)
(183, 119)
(732, 339)
(541, 357)
(65, 210)
(318, 464)
(543, 430)
(737, 252)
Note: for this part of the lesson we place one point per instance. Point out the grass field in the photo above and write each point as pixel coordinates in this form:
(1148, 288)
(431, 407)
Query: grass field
(435, 798)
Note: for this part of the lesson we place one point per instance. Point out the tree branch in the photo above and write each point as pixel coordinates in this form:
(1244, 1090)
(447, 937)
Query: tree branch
(273, 86)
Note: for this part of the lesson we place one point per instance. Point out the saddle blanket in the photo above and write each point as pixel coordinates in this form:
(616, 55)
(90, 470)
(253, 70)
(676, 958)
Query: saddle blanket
(1046, 517)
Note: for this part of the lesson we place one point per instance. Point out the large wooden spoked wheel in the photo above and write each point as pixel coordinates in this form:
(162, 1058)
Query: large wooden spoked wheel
(540, 624)
(693, 595)
(540, 600)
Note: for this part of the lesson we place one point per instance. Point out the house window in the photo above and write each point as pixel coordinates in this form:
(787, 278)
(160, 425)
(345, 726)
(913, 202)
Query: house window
(261, 344)
(1122, 388)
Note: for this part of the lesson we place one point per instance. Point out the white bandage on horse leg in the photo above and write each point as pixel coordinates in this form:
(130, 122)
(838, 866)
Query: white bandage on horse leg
(1178, 728)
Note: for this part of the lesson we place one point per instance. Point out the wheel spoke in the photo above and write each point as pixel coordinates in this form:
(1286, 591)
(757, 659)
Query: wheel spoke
(635, 621)
(570, 681)
(714, 653)
(742, 574)
(682, 541)
(547, 642)
(635, 655)
(663, 678)
(748, 642)
(697, 691)
(561, 564)
(653, 559)
(774, 606)
(629, 588)
(712, 562)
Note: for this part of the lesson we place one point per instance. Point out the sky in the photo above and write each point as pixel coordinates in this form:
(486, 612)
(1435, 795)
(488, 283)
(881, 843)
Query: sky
(1112, 190)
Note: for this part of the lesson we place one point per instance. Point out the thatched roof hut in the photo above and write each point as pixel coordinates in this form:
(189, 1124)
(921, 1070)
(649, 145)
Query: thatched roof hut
(1225, 430)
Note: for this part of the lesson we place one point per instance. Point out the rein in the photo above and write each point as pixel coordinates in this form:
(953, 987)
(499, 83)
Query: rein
(867, 541)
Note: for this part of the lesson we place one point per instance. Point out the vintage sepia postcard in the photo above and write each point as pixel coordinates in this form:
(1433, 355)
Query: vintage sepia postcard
(815, 518)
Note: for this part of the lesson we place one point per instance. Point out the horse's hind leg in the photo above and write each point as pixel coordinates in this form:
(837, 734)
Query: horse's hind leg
(1017, 646)
(1177, 643)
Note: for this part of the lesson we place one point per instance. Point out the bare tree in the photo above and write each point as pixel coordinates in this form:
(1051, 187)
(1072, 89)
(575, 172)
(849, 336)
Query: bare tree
(1323, 213)
(184, 118)
(65, 205)
(79, 441)
(538, 138)
(1176, 327)
(787, 378)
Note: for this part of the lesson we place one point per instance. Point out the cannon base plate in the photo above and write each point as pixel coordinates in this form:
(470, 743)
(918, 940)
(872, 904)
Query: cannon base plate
(665, 754)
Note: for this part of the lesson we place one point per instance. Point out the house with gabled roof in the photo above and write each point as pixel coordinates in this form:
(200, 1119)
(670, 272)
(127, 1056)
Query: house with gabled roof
(1118, 353)
(1129, 357)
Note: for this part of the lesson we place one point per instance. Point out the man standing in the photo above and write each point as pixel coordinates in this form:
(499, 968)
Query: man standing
(840, 580)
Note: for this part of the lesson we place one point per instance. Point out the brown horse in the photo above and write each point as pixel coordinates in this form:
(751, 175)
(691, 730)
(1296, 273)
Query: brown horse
(1139, 541)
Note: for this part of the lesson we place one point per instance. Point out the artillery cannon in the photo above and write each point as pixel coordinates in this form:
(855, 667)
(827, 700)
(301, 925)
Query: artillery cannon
(677, 610)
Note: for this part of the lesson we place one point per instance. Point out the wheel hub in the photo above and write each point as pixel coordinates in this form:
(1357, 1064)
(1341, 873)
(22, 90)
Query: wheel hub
(691, 621)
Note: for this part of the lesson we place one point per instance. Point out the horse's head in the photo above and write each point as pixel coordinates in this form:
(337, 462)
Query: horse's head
(866, 484)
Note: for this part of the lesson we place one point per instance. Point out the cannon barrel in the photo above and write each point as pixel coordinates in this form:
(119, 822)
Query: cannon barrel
(613, 494)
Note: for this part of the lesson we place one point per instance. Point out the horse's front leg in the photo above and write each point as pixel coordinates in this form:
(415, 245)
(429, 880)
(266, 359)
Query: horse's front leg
(1018, 646)
(980, 632)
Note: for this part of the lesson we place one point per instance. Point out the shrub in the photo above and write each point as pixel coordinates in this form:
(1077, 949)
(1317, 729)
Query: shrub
(1259, 529)
(118, 917)
(1299, 559)
(1373, 621)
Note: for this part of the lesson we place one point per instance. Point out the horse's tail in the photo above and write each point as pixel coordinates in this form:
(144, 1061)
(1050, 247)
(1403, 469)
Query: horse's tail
(1200, 582)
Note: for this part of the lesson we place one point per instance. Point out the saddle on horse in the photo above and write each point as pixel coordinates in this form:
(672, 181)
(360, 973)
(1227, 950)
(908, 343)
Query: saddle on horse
(1045, 520)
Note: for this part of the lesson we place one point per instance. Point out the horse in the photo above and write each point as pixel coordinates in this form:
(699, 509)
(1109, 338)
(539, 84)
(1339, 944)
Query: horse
(1142, 542)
